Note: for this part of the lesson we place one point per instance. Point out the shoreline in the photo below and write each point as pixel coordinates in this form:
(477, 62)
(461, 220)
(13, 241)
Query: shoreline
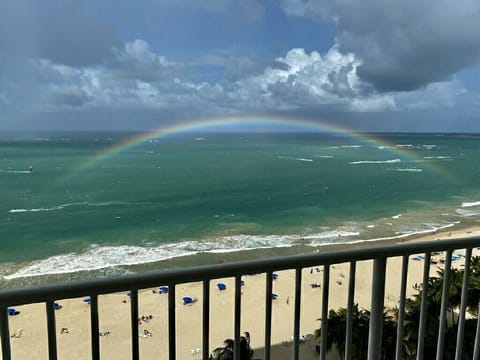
(208, 258)
(114, 312)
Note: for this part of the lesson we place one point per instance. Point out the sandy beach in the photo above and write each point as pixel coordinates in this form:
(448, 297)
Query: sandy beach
(28, 329)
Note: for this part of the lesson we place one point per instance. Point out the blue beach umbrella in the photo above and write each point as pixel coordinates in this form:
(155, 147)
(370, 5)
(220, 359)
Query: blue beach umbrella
(274, 276)
(187, 300)
(87, 300)
(274, 296)
(12, 311)
(163, 289)
(221, 286)
(57, 306)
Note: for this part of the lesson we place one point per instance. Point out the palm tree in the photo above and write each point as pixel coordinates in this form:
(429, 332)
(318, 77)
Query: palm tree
(336, 331)
(474, 286)
(337, 320)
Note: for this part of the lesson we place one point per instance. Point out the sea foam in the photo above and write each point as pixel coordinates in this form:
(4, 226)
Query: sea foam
(468, 212)
(101, 257)
(471, 204)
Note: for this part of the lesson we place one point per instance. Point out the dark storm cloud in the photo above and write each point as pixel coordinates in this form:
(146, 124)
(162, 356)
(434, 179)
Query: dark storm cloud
(403, 45)
(66, 32)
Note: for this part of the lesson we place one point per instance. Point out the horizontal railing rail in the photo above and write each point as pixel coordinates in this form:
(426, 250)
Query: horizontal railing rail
(378, 253)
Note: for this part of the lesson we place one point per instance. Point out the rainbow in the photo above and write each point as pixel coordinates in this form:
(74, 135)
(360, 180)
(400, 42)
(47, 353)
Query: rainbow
(245, 123)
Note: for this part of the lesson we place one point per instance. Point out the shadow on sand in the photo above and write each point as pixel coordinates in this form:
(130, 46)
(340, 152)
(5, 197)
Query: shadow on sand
(284, 351)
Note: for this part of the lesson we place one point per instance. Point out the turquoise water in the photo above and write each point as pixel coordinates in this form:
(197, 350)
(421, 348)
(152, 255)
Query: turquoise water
(214, 194)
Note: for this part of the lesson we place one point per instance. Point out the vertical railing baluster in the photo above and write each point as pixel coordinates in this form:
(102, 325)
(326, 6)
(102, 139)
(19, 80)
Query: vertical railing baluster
(476, 347)
(463, 305)
(94, 327)
(351, 295)
(171, 323)
(423, 307)
(443, 307)
(324, 321)
(296, 320)
(51, 330)
(376, 315)
(5, 333)
(134, 323)
(268, 314)
(238, 313)
(206, 318)
(401, 308)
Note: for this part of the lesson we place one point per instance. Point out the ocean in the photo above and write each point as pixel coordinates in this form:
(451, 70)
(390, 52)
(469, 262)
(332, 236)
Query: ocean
(104, 204)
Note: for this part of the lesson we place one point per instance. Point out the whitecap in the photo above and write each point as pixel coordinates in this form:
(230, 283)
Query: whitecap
(35, 209)
(63, 206)
(16, 171)
(404, 145)
(471, 204)
(438, 158)
(375, 161)
(409, 169)
(295, 158)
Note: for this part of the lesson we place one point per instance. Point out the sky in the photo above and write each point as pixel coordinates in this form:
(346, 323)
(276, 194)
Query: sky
(376, 66)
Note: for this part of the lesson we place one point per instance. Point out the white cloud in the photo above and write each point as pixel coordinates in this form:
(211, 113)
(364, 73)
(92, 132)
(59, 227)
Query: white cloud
(139, 51)
(138, 78)
(404, 45)
(312, 80)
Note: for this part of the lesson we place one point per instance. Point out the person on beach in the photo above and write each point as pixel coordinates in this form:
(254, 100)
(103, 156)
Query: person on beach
(226, 352)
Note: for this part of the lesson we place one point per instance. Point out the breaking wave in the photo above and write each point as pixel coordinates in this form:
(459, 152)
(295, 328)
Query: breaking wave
(63, 206)
(471, 204)
(100, 257)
